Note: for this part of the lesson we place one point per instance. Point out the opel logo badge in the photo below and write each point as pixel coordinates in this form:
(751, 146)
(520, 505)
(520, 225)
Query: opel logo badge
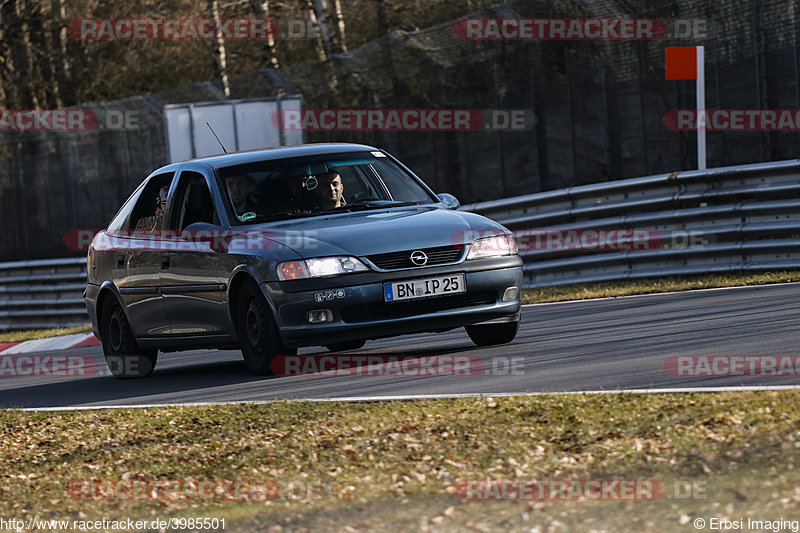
(419, 258)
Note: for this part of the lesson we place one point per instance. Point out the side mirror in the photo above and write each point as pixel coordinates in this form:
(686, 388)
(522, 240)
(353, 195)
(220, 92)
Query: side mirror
(449, 201)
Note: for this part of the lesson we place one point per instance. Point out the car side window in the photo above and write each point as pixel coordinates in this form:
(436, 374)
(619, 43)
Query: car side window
(119, 224)
(147, 218)
(402, 188)
(193, 202)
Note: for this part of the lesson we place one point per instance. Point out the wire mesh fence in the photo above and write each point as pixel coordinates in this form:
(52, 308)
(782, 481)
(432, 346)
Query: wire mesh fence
(598, 108)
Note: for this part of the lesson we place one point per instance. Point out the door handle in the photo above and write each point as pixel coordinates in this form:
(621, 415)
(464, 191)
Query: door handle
(164, 262)
(120, 260)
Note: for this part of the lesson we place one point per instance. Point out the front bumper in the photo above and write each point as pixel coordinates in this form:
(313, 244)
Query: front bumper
(358, 309)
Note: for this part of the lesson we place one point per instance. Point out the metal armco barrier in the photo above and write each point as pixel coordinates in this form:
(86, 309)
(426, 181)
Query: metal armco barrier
(42, 294)
(720, 220)
(741, 218)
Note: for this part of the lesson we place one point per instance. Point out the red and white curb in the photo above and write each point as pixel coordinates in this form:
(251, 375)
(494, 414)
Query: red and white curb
(62, 342)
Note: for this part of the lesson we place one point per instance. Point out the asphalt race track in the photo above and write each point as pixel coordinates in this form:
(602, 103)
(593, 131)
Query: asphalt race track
(592, 345)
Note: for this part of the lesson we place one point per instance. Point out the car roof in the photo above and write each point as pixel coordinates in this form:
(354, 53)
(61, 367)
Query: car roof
(278, 152)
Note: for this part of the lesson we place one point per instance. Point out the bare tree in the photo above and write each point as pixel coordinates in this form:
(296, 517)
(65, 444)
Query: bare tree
(58, 37)
(16, 57)
(5, 66)
(331, 34)
(260, 9)
(218, 47)
(310, 15)
(338, 17)
(42, 59)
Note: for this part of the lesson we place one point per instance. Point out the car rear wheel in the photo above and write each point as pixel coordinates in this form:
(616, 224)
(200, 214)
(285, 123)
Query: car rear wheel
(346, 346)
(258, 334)
(123, 356)
(489, 334)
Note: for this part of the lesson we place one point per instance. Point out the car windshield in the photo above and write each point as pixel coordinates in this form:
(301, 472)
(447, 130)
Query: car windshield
(308, 186)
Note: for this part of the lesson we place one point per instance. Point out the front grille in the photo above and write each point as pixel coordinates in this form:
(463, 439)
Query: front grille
(439, 255)
(388, 310)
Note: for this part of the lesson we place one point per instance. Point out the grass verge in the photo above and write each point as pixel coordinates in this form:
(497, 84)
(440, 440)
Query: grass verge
(582, 291)
(19, 336)
(396, 465)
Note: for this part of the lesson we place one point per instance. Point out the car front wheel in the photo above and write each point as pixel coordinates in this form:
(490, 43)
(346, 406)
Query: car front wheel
(258, 334)
(489, 334)
(123, 356)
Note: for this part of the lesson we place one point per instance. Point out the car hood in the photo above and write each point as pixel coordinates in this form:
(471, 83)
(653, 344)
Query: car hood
(379, 231)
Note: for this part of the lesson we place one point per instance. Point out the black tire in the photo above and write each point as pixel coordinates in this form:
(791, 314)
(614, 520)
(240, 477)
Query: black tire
(346, 346)
(258, 335)
(490, 334)
(123, 356)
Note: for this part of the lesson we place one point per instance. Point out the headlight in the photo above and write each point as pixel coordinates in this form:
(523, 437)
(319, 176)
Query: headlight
(494, 246)
(319, 267)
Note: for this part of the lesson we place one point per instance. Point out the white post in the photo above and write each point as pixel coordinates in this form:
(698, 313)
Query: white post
(701, 109)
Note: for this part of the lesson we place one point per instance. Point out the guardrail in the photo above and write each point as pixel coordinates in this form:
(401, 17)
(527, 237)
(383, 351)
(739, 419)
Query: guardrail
(740, 218)
(736, 219)
(42, 294)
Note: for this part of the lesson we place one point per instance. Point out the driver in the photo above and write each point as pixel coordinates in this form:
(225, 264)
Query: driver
(242, 191)
(329, 190)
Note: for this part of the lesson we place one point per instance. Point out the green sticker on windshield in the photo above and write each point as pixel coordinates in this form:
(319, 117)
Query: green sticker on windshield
(248, 216)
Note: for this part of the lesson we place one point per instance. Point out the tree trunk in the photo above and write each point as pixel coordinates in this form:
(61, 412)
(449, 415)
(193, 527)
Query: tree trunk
(338, 16)
(308, 13)
(16, 62)
(218, 47)
(31, 80)
(5, 73)
(261, 10)
(331, 41)
(59, 50)
(44, 87)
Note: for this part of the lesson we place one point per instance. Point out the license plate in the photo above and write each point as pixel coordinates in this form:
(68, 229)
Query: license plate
(424, 288)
